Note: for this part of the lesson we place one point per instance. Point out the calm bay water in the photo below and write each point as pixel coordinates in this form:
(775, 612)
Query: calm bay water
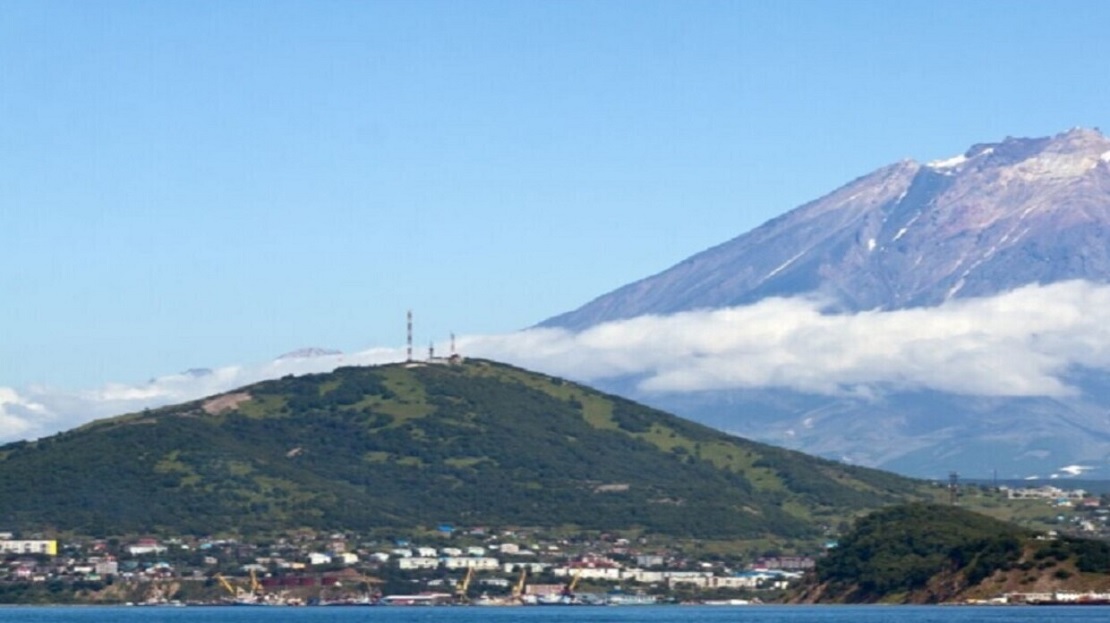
(663, 614)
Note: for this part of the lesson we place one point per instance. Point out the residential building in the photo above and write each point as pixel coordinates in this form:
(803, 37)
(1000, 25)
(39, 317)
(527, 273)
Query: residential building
(48, 548)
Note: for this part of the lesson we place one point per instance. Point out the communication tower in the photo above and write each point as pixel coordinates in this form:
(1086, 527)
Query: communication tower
(953, 488)
(408, 356)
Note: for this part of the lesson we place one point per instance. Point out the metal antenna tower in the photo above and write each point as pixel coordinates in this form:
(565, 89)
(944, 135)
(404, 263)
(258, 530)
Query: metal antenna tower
(408, 356)
(953, 487)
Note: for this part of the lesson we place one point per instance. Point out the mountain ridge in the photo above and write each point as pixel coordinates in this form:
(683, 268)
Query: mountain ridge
(408, 445)
(996, 219)
(865, 246)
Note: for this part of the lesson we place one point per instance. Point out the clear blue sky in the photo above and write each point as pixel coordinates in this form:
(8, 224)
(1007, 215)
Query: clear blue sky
(192, 184)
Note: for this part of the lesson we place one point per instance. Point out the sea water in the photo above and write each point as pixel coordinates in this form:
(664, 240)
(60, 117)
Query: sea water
(575, 614)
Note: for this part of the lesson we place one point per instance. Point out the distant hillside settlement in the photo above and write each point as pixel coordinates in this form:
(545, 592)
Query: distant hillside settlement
(345, 566)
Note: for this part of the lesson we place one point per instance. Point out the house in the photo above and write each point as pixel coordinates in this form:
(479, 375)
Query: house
(532, 567)
(318, 558)
(643, 576)
(345, 558)
(1046, 492)
(589, 573)
(417, 562)
(144, 547)
(695, 578)
(785, 562)
(48, 548)
(467, 562)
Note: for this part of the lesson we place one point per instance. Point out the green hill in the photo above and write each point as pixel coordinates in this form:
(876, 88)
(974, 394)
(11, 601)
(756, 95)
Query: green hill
(478, 443)
(924, 553)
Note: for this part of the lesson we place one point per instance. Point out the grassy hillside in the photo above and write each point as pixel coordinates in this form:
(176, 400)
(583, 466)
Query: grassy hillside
(922, 553)
(474, 444)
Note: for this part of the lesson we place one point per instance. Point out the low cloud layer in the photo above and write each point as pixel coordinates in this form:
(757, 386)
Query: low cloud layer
(1021, 343)
(1016, 344)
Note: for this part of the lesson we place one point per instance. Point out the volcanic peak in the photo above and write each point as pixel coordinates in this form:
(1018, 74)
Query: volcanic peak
(1065, 155)
(999, 216)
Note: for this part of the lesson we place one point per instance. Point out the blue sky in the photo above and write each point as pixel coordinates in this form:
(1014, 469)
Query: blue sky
(193, 184)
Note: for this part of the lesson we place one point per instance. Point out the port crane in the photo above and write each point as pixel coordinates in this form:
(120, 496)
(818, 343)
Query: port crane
(518, 588)
(464, 586)
(568, 590)
(240, 595)
(236, 592)
(256, 587)
(227, 585)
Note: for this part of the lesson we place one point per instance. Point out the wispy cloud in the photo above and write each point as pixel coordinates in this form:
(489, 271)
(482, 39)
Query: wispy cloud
(37, 411)
(1021, 343)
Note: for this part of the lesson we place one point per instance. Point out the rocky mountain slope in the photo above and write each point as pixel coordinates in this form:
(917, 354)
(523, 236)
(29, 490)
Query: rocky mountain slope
(910, 236)
(998, 216)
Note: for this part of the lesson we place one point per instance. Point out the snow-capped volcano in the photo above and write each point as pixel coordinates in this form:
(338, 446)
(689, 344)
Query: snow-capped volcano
(910, 237)
(910, 234)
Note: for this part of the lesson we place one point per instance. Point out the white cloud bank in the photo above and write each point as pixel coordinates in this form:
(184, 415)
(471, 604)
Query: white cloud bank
(1014, 344)
(1021, 343)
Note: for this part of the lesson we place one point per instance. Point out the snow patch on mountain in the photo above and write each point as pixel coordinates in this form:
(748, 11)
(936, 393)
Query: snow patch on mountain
(1051, 166)
(781, 267)
(947, 163)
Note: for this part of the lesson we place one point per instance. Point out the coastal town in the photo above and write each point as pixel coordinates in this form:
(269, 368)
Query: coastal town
(447, 564)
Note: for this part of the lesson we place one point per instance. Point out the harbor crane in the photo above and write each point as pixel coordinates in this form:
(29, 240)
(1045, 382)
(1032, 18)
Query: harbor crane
(518, 588)
(464, 586)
